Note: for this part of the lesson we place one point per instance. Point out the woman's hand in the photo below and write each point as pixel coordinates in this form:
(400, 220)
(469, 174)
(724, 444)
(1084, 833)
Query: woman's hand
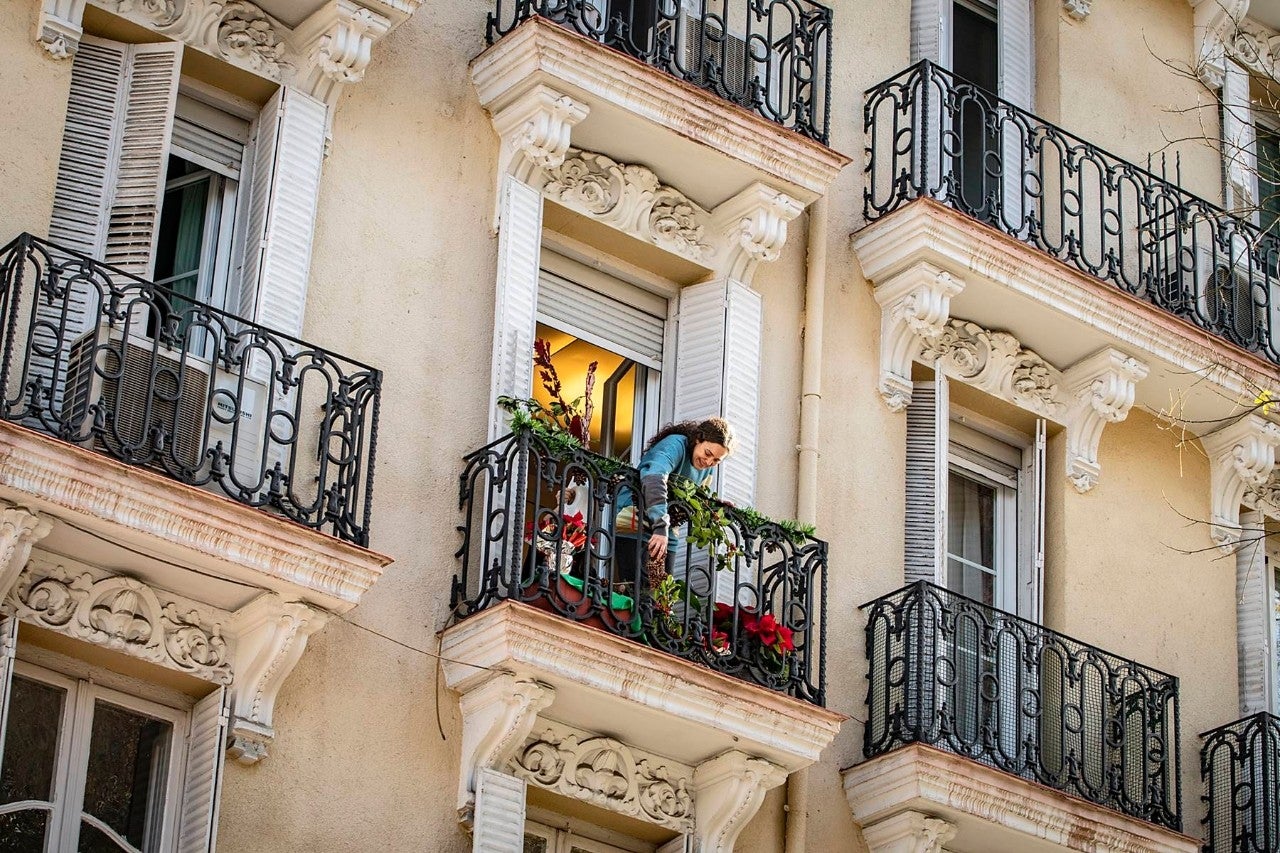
(658, 546)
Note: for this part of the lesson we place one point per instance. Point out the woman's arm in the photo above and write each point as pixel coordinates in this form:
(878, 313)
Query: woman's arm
(656, 466)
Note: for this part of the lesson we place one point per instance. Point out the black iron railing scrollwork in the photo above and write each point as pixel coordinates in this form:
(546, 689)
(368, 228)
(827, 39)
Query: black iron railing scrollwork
(959, 675)
(753, 608)
(933, 135)
(95, 356)
(1240, 764)
(771, 56)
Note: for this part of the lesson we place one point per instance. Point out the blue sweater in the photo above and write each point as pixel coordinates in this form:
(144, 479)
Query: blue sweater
(672, 455)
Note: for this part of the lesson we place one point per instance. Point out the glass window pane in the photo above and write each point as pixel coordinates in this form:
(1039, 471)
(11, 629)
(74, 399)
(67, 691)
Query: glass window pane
(31, 742)
(535, 844)
(971, 538)
(23, 832)
(124, 785)
(94, 840)
(1268, 178)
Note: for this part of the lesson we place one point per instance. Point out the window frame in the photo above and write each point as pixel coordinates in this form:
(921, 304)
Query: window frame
(72, 756)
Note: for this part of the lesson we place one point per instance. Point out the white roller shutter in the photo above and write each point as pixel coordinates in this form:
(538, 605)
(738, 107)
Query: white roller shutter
(519, 246)
(201, 786)
(927, 471)
(288, 150)
(1255, 625)
(8, 648)
(601, 320)
(718, 373)
(499, 813)
(206, 148)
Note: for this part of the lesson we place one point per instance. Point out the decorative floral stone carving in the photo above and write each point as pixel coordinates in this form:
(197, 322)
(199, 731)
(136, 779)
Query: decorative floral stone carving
(997, 363)
(159, 12)
(247, 34)
(123, 614)
(630, 197)
(607, 773)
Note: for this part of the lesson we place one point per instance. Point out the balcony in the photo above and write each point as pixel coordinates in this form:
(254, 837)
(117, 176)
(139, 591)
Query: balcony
(106, 361)
(772, 58)
(1240, 764)
(1059, 243)
(719, 663)
(978, 716)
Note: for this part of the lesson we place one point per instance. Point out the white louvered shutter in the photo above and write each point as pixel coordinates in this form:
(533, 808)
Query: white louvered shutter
(718, 373)
(931, 31)
(1017, 85)
(924, 530)
(1255, 637)
(288, 151)
(1238, 144)
(206, 744)
(499, 813)
(8, 648)
(146, 125)
(519, 248)
(1031, 501)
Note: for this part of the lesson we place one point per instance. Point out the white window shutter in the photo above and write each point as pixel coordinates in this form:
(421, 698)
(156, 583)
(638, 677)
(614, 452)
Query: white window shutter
(288, 152)
(499, 814)
(1238, 143)
(927, 470)
(8, 649)
(1031, 502)
(931, 31)
(1017, 66)
(515, 309)
(82, 192)
(1255, 637)
(201, 786)
(148, 101)
(718, 373)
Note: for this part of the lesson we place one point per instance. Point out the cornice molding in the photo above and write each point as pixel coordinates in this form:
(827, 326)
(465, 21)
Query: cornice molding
(270, 637)
(160, 515)
(125, 615)
(933, 782)
(1242, 456)
(540, 53)
(607, 773)
(329, 49)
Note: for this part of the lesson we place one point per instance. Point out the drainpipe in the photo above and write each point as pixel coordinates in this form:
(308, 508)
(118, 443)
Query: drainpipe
(815, 283)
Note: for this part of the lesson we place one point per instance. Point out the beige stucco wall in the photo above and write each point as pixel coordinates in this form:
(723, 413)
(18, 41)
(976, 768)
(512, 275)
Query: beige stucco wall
(402, 278)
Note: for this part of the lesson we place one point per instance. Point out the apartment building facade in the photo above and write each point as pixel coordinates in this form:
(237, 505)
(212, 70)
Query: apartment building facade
(984, 287)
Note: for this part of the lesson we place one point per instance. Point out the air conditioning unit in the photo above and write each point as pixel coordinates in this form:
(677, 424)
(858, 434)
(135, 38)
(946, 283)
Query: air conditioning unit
(149, 387)
(1216, 283)
(697, 40)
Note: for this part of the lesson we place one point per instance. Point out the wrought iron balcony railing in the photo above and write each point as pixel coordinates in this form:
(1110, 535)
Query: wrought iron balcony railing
(95, 356)
(771, 56)
(521, 541)
(931, 134)
(959, 675)
(1240, 764)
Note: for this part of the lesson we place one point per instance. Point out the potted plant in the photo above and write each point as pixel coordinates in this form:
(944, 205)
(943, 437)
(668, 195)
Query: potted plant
(762, 639)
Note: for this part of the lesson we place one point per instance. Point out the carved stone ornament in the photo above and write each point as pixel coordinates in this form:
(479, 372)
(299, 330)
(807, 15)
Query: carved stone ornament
(1077, 9)
(1102, 388)
(752, 228)
(58, 27)
(909, 832)
(728, 791)
(20, 529)
(998, 364)
(607, 773)
(535, 131)
(1216, 25)
(914, 304)
(1242, 456)
(270, 636)
(631, 199)
(497, 715)
(125, 615)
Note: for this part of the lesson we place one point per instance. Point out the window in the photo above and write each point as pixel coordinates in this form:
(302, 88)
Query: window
(87, 768)
(577, 837)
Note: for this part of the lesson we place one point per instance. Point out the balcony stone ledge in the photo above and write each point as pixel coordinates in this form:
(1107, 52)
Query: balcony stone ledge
(188, 540)
(920, 792)
(541, 53)
(593, 680)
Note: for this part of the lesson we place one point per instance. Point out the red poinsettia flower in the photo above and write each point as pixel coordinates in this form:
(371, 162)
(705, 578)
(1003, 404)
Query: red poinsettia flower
(723, 614)
(719, 642)
(786, 641)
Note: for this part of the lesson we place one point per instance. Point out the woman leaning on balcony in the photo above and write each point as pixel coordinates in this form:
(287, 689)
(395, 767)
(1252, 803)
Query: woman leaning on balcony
(689, 449)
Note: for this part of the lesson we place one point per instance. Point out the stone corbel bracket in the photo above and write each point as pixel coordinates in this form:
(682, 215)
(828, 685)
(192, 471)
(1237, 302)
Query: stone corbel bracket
(909, 832)
(1241, 459)
(728, 791)
(58, 27)
(20, 529)
(753, 228)
(497, 715)
(914, 304)
(1216, 22)
(270, 637)
(535, 130)
(337, 41)
(1077, 10)
(1102, 389)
